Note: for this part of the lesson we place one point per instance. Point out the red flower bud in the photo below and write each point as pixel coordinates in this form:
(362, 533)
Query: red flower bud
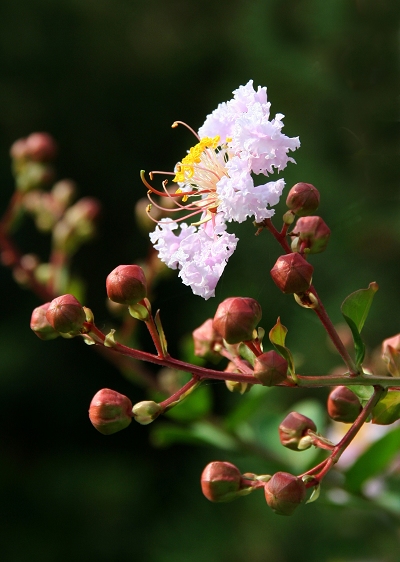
(110, 411)
(284, 492)
(205, 337)
(220, 481)
(270, 368)
(18, 149)
(236, 319)
(293, 429)
(303, 199)
(66, 314)
(41, 147)
(292, 273)
(40, 325)
(126, 284)
(314, 231)
(343, 405)
(391, 354)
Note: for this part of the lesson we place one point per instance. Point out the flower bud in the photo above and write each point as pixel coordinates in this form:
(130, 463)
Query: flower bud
(236, 386)
(292, 273)
(147, 411)
(284, 492)
(391, 354)
(110, 411)
(41, 147)
(303, 199)
(18, 149)
(314, 231)
(40, 325)
(205, 338)
(126, 284)
(343, 405)
(66, 314)
(236, 319)
(293, 429)
(270, 368)
(220, 481)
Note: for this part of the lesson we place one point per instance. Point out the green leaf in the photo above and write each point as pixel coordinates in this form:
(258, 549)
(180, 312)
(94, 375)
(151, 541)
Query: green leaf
(355, 309)
(374, 460)
(364, 393)
(387, 410)
(200, 433)
(356, 306)
(193, 407)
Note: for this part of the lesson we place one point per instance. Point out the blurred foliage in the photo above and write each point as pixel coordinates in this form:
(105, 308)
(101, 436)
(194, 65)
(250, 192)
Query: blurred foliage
(107, 78)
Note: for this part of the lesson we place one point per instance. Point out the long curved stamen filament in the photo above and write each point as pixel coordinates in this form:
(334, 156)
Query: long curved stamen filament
(176, 123)
(190, 207)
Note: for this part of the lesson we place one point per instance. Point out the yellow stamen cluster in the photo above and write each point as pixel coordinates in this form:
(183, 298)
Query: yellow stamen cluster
(185, 169)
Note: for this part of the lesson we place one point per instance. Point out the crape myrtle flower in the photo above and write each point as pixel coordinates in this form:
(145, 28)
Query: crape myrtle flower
(216, 185)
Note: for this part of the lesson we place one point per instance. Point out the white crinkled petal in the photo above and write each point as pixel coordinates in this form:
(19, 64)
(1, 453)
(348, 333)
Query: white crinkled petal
(167, 243)
(222, 120)
(200, 254)
(240, 198)
(262, 141)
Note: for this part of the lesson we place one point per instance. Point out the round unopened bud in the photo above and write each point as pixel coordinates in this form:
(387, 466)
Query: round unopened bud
(343, 405)
(270, 368)
(284, 492)
(236, 319)
(303, 199)
(220, 481)
(292, 273)
(41, 147)
(86, 209)
(18, 149)
(40, 325)
(293, 429)
(147, 411)
(205, 338)
(314, 232)
(66, 314)
(126, 284)
(110, 411)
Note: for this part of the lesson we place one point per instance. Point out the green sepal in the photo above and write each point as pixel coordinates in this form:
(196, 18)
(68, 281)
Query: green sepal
(387, 410)
(355, 309)
(277, 337)
(161, 333)
(247, 354)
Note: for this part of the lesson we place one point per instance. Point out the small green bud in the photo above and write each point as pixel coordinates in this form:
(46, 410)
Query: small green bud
(147, 411)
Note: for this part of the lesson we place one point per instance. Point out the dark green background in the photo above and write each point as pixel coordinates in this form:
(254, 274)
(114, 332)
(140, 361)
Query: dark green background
(107, 78)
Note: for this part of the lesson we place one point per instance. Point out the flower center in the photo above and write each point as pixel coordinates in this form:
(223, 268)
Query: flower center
(197, 175)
